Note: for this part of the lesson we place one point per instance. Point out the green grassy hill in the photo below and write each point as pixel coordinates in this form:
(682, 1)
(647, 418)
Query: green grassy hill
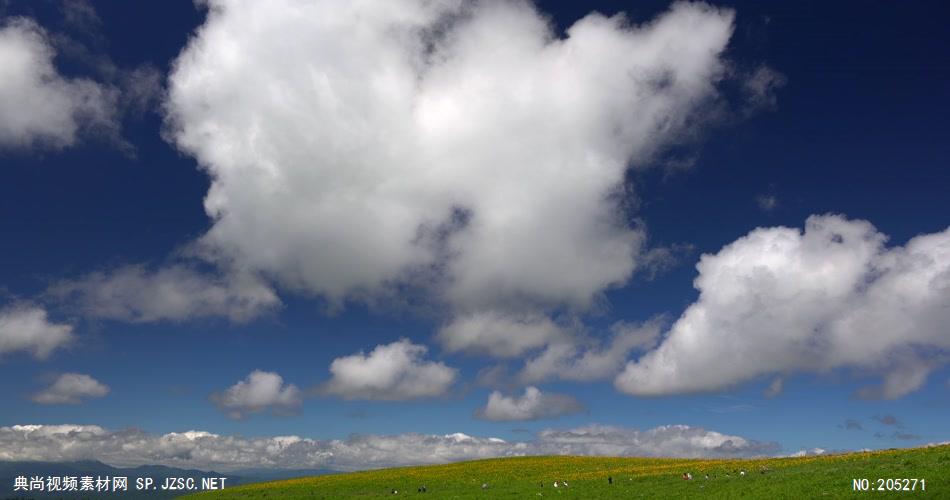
(805, 477)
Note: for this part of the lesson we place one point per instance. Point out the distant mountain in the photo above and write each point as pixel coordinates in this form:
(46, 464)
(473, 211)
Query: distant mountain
(137, 487)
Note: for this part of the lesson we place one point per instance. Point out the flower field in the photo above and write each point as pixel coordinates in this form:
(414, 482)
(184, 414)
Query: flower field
(830, 476)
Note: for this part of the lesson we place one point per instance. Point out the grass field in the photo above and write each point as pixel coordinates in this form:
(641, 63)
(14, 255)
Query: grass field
(805, 477)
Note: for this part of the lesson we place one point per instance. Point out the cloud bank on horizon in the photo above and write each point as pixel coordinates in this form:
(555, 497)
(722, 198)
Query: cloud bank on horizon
(204, 450)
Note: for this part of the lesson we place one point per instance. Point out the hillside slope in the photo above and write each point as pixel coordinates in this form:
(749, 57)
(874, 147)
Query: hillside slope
(587, 477)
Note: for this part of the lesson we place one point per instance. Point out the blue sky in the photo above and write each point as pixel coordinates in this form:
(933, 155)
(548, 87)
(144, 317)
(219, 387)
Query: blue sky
(749, 116)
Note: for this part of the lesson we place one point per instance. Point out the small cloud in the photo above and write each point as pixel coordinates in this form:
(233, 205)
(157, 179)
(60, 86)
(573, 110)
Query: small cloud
(659, 260)
(25, 327)
(908, 374)
(357, 414)
(391, 372)
(500, 335)
(493, 376)
(71, 389)
(532, 405)
(775, 388)
(767, 202)
(41, 107)
(808, 452)
(852, 425)
(81, 16)
(889, 420)
(905, 436)
(258, 392)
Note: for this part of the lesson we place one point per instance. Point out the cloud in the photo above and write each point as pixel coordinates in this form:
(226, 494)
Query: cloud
(775, 388)
(808, 452)
(500, 335)
(391, 372)
(40, 107)
(355, 149)
(259, 391)
(780, 300)
(853, 425)
(905, 436)
(175, 292)
(663, 441)
(532, 405)
(82, 17)
(71, 389)
(25, 327)
(888, 420)
(572, 360)
(761, 88)
(203, 450)
(767, 202)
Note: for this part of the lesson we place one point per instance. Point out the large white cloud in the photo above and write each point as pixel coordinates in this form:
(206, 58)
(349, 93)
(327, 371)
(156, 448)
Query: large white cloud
(391, 372)
(174, 292)
(355, 147)
(532, 405)
(259, 391)
(203, 450)
(38, 106)
(71, 388)
(25, 327)
(780, 300)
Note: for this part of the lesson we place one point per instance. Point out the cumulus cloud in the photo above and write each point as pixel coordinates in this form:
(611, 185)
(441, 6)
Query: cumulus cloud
(573, 360)
(203, 450)
(259, 391)
(175, 292)
(38, 106)
(26, 327)
(355, 149)
(532, 405)
(71, 388)
(781, 300)
(391, 372)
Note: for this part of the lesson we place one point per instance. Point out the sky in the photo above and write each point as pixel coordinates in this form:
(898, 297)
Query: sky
(347, 235)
